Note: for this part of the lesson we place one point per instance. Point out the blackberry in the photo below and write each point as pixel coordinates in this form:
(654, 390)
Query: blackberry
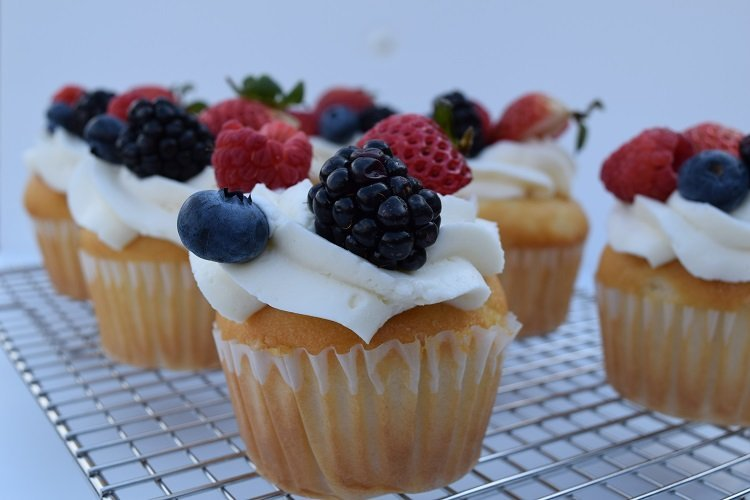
(91, 104)
(367, 203)
(745, 150)
(164, 139)
(461, 116)
(368, 117)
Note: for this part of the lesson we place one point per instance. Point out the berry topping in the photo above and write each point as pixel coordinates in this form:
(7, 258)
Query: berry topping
(164, 139)
(222, 226)
(646, 165)
(425, 149)
(368, 117)
(265, 90)
(710, 135)
(308, 121)
(119, 105)
(715, 177)
(73, 117)
(101, 133)
(745, 150)
(462, 120)
(539, 116)
(355, 99)
(338, 123)
(367, 203)
(278, 155)
(69, 95)
(249, 113)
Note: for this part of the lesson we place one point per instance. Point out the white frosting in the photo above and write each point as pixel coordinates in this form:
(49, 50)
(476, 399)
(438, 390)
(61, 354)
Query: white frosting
(118, 206)
(709, 243)
(55, 157)
(303, 273)
(508, 169)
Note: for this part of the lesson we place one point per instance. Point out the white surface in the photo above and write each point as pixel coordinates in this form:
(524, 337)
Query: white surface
(652, 62)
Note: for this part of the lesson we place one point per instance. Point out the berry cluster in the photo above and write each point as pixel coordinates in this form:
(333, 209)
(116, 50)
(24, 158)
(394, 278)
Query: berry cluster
(707, 163)
(72, 108)
(342, 112)
(367, 203)
(466, 122)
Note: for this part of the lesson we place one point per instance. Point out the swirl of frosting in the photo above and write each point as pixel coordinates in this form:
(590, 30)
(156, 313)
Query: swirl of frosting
(112, 202)
(55, 157)
(303, 273)
(709, 243)
(508, 169)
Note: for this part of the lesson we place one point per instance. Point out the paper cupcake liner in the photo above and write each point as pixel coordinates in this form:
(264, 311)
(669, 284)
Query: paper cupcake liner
(684, 361)
(538, 283)
(151, 314)
(58, 241)
(395, 418)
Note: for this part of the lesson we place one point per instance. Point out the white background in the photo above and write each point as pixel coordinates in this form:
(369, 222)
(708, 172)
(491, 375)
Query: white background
(671, 63)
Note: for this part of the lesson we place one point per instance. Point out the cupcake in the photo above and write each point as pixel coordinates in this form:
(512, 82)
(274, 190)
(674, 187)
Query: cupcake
(126, 197)
(673, 283)
(360, 325)
(523, 182)
(51, 163)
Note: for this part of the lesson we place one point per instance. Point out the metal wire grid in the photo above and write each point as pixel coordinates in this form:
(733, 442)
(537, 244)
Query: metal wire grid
(558, 430)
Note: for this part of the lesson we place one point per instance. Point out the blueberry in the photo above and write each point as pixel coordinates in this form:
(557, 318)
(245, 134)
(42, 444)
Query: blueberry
(338, 123)
(223, 226)
(101, 133)
(714, 177)
(59, 115)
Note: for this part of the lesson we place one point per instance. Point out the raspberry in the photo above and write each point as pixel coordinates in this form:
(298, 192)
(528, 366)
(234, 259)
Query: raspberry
(278, 155)
(249, 113)
(426, 150)
(69, 94)
(532, 116)
(308, 121)
(119, 104)
(356, 99)
(709, 135)
(164, 139)
(367, 203)
(646, 165)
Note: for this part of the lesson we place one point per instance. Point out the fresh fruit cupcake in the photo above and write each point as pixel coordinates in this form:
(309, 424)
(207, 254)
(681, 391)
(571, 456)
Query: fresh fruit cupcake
(125, 198)
(360, 323)
(522, 180)
(51, 163)
(673, 284)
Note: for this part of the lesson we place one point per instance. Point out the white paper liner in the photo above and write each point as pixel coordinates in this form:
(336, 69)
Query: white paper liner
(685, 361)
(151, 314)
(399, 417)
(58, 242)
(539, 283)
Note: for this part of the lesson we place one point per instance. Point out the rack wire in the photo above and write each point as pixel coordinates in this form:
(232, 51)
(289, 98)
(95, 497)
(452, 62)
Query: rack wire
(557, 430)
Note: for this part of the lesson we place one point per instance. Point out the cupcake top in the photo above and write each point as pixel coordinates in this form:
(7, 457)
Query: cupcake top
(366, 243)
(61, 148)
(141, 171)
(684, 196)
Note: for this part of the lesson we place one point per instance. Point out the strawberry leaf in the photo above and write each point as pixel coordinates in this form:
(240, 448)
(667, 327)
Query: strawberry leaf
(264, 89)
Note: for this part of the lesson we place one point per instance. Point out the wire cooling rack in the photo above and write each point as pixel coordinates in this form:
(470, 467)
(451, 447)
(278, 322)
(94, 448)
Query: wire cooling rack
(557, 430)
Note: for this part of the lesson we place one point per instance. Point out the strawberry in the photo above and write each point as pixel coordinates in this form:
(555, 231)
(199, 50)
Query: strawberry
(249, 113)
(69, 94)
(308, 121)
(709, 135)
(428, 153)
(278, 155)
(119, 105)
(355, 99)
(646, 165)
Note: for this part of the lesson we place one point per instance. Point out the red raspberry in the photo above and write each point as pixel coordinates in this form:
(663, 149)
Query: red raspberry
(646, 165)
(119, 105)
(709, 135)
(356, 99)
(532, 116)
(278, 155)
(68, 94)
(308, 121)
(249, 113)
(427, 151)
